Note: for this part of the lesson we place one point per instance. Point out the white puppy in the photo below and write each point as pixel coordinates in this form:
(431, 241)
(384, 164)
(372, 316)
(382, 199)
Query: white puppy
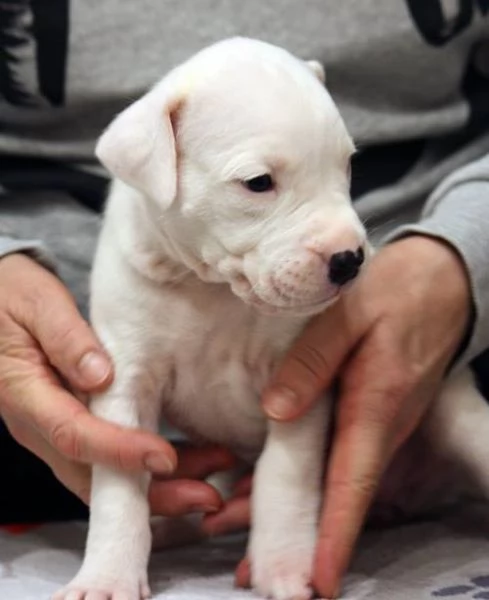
(228, 225)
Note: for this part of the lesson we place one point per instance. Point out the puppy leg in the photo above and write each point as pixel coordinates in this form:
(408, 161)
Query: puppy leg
(458, 428)
(286, 501)
(119, 539)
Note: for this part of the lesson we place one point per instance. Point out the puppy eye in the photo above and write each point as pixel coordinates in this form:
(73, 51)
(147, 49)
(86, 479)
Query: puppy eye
(260, 184)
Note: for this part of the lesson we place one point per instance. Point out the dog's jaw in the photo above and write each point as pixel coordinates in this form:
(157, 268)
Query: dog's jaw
(263, 293)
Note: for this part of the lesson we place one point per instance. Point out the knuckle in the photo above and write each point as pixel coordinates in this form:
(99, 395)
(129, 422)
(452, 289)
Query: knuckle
(312, 360)
(64, 335)
(366, 486)
(122, 460)
(362, 485)
(64, 437)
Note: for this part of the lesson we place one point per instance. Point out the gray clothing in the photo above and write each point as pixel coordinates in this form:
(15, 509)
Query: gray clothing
(409, 76)
(66, 235)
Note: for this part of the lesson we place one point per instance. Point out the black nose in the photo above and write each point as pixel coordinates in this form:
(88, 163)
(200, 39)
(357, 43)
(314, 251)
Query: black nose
(344, 266)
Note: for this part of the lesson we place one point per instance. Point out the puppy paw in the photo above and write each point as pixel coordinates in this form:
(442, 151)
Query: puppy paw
(91, 588)
(284, 574)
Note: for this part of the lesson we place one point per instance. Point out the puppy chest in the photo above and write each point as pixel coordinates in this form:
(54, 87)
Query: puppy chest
(222, 354)
(216, 401)
(214, 395)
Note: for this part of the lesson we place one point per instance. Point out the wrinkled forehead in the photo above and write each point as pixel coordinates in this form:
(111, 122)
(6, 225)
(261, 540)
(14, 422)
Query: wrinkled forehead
(275, 109)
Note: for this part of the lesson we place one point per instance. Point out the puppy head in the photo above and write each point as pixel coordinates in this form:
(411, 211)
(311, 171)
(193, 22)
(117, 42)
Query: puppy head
(247, 159)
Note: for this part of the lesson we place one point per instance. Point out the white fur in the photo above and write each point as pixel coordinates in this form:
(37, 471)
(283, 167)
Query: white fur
(200, 285)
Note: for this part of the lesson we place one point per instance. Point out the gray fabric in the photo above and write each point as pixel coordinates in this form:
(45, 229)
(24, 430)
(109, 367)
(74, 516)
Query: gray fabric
(458, 212)
(440, 559)
(33, 248)
(66, 231)
(390, 84)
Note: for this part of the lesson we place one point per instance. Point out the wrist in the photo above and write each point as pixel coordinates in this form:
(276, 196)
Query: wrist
(443, 267)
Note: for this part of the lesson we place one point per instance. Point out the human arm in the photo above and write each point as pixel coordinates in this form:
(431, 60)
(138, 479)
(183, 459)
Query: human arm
(44, 340)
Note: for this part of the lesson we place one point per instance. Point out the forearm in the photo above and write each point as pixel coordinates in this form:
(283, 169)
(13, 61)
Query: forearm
(458, 213)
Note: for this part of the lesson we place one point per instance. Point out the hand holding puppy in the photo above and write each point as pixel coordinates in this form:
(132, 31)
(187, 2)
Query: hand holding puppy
(390, 340)
(43, 338)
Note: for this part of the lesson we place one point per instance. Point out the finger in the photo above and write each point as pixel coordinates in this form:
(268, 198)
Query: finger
(356, 465)
(179, 497)
(243, 487)
(75, 477)
(242, 576)
(78, 435)
(310, 365)
(200, 463)
(169, 498)
(235, 516)
(71, 346)
(54, 321)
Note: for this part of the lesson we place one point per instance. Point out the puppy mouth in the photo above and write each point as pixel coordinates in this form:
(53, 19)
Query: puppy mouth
(280, 303)
(269, 297)
(328, 295)
(293, 310)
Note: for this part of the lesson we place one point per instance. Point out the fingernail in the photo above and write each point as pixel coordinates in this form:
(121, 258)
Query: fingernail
(281, 403)
(158, 463)
(94, 367)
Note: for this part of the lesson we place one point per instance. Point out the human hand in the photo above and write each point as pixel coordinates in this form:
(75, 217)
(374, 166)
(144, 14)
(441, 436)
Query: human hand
(390, 340)
(43, 338)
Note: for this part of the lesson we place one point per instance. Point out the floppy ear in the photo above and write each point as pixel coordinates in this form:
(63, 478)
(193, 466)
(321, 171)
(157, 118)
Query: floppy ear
(138, 147)
(318, 69)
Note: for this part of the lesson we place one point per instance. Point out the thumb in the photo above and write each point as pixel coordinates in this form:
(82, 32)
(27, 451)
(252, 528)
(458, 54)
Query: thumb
(74, 350)
(64, 336)
(310, 366)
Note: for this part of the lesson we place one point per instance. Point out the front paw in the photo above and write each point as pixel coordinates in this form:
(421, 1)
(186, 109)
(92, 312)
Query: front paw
(282, 572)
(129, 586)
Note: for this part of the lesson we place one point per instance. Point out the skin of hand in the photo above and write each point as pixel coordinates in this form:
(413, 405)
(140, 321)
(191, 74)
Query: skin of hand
(44, 342)
(389, 342)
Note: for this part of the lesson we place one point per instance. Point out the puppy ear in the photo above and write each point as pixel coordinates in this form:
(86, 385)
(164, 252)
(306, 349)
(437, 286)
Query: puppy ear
(318, 70)
(138, 147)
